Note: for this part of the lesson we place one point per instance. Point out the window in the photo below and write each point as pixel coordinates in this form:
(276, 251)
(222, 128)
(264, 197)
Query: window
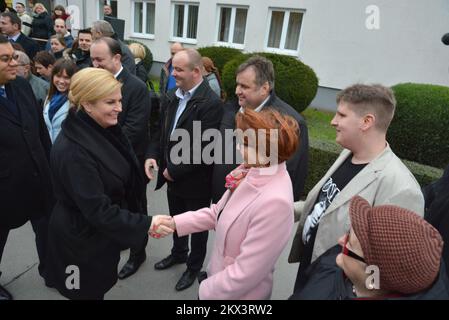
(185, 22)
(284, 31)
(232, 25)
(111, 3)
(143, 15)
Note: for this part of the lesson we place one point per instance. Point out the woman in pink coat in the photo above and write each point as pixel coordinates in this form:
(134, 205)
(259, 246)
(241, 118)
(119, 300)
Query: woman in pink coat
(254, 218)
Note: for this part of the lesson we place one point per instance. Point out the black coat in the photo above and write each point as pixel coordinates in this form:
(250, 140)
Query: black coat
(42, 26)
(98, 205)
(297, 165)
(190, 180)
(25, 179)
(141, 72)
(29, 45)
(136, 110)
(326, 281)
(437, 210)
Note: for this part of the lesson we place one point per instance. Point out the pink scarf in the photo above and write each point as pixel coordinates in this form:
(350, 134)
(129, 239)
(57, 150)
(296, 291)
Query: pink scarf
(236, 176)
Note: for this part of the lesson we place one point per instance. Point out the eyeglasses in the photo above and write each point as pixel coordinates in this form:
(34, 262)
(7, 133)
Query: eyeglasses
(8, 59)
(350, 253)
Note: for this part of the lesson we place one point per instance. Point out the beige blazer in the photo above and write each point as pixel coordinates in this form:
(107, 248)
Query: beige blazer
(385, 180)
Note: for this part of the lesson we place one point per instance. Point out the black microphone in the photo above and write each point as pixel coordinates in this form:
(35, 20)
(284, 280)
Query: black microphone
(445, 39)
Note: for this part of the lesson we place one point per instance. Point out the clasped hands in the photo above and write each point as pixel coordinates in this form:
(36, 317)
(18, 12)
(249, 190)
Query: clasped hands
(161, 226)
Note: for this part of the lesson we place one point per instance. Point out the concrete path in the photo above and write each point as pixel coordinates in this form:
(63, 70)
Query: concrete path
(20, 276)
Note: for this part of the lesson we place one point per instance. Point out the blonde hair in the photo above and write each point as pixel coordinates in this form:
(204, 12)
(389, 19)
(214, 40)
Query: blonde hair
(90, 85)
(38, 4)
(137, 50)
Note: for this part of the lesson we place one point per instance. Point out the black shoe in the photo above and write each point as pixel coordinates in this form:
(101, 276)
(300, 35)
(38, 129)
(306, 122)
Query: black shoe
(187, 279)
(131, 266)
(168, 262)
(4, 294)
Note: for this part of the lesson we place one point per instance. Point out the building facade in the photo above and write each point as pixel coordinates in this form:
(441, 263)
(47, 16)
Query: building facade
(345, 41)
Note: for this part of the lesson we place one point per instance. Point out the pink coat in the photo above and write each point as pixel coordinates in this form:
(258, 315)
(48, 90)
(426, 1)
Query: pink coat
(253, 229)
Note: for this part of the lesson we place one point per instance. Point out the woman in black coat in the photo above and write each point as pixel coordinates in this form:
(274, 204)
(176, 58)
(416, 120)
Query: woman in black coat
(42, 26)
(99, 192)
(139, 54)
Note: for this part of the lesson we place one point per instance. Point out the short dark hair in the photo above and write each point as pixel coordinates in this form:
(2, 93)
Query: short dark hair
(85, 31)
(61, 65)
(20, 3)
(113, 45)
(44, 58)
(13, 18)
(262, 67)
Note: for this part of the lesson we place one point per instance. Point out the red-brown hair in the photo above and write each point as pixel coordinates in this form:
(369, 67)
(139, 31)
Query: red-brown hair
(270, 119)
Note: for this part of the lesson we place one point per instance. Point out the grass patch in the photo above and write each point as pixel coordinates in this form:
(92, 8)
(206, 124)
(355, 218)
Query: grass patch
(318, 123)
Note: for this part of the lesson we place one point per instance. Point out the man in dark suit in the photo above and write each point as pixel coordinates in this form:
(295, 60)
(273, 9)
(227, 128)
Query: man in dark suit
(255, 90)
(25, 182)
(106, 53)
(11, 25)
(191, 108)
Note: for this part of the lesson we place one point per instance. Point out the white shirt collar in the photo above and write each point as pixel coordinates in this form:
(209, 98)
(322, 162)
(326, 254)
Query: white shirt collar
(182, 95)
(15, 37)
(260, 106)
(120, 71)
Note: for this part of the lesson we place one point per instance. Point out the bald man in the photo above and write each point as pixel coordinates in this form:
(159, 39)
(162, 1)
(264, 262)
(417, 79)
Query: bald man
(167, 81)
(61, 29)
(193, 105)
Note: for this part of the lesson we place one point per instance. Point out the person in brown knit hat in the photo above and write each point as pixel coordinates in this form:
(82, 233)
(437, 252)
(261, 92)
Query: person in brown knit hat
(406, 249)
(389, 253)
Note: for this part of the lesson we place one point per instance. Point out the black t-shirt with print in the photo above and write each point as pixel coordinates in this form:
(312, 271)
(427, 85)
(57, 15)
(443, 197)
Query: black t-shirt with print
(329, 191)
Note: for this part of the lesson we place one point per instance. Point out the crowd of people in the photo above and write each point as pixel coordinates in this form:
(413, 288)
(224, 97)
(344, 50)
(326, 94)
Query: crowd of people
(78, 142)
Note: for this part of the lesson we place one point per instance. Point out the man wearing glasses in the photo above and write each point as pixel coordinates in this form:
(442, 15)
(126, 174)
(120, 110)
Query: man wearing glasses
(367, 167)
(25, 183)
(388, 253)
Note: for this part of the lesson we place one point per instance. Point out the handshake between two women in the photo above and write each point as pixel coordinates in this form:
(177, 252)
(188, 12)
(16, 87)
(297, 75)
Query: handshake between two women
(161, 226)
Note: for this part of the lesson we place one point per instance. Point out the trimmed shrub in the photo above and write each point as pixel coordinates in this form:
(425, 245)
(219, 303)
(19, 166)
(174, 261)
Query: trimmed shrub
(148, 61)
(420, 129)
(295, 82)
(322, 155)
(219, 55)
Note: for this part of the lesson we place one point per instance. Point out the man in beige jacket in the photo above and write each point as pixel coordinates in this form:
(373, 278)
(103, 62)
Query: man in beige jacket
(366, 167)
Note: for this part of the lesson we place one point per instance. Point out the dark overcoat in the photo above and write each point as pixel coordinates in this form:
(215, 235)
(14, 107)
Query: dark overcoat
(25, 178)
(297, 165)
(98, 204)
(135, 116)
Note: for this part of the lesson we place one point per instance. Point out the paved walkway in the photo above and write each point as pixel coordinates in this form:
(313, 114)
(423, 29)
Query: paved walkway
(20, 276)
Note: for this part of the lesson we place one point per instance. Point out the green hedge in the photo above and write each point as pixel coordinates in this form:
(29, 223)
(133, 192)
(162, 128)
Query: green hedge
(295, 82)
(219, 55)
(420, 128)
(148, 61)
(322, 155)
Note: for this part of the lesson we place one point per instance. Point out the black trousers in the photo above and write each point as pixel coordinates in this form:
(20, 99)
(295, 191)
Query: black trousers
(198, 241)
(40, 228)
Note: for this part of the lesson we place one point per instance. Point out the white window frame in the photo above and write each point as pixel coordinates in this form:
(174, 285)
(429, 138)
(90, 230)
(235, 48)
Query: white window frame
(184, 38)
(144, 19)
(231, 27)
(281, 50)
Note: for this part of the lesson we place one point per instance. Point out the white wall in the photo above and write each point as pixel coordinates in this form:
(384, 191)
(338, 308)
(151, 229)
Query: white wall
(334, 39)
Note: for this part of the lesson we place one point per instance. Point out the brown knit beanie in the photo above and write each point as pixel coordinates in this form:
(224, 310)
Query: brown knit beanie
(405, 247)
